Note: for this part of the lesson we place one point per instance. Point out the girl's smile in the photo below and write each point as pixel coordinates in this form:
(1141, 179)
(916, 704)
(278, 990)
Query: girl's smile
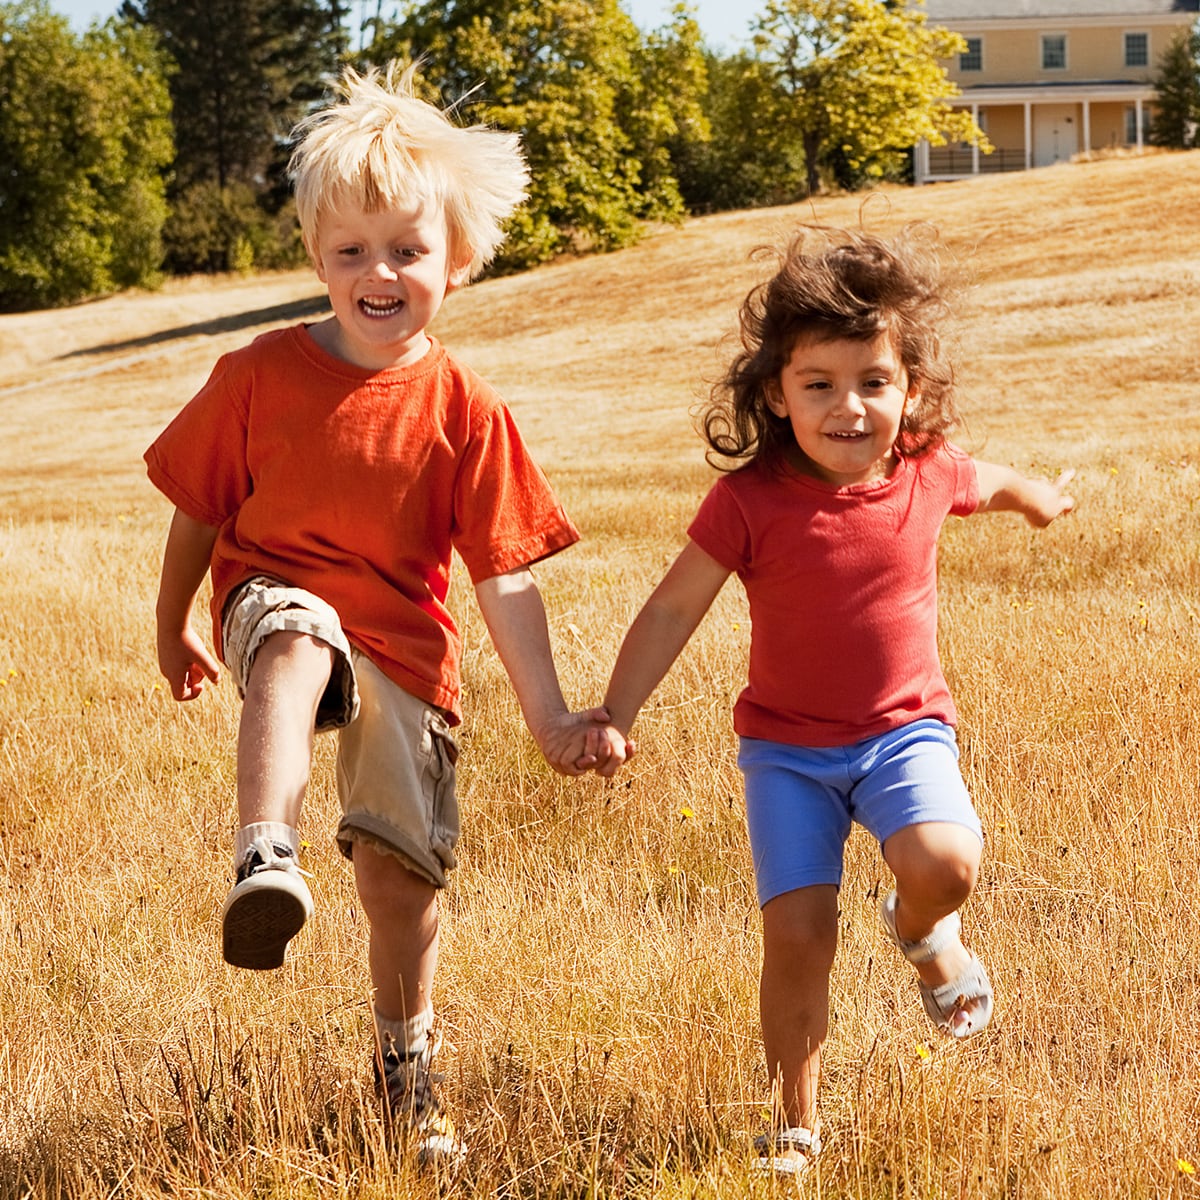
(845, 400)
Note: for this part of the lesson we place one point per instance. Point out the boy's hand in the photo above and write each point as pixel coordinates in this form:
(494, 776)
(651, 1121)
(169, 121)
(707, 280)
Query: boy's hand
(186, 664)
(575, 743)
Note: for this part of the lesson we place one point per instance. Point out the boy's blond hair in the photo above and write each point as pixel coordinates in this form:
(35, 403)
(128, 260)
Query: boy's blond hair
(381, 146)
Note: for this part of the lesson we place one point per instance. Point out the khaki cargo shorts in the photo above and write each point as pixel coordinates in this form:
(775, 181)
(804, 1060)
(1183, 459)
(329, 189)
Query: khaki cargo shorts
(396, 756)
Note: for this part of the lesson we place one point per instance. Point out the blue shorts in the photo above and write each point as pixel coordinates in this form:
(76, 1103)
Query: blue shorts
(800, 801)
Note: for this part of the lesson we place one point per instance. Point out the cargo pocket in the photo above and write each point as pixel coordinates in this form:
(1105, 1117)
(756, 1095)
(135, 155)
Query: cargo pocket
(443, 802)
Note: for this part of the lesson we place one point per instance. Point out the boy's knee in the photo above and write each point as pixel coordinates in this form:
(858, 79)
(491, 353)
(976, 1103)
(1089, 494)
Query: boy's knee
(389, 890)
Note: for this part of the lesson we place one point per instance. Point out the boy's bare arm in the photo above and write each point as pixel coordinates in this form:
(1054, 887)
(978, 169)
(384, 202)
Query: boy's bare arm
(516, 619)
(1001, 489)
(182, 656)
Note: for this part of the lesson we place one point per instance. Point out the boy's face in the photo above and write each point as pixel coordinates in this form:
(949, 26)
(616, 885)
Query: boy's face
(844, 400)
(387, 274)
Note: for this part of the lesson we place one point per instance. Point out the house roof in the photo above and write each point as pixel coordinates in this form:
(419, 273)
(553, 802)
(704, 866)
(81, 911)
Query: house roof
(987, 10)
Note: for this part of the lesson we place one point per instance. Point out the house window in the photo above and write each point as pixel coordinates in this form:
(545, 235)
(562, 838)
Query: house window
(972, 58)
(1054, 51)
(1137, 49)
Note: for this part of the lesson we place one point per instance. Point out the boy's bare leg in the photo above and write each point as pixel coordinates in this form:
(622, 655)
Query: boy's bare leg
(799, 943)
(275, 738)
(402, 911)
(270, 901)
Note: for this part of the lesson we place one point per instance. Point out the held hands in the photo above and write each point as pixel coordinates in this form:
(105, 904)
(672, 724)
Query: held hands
(576, 743)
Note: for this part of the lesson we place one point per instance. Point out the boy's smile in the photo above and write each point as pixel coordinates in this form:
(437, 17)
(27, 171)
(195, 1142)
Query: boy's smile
(844, 400)
(387, 273)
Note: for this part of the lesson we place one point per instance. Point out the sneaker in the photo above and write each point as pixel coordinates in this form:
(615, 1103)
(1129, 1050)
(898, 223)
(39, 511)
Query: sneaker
(406, 1085)
(267, 907)
(788, 1152)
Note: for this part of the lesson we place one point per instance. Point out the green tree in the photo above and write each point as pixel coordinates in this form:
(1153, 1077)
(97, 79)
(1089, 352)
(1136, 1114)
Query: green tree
(85, 135)
(245, 71)
(744, 161)
(594, 103)
(1176, 119)
(859, 82)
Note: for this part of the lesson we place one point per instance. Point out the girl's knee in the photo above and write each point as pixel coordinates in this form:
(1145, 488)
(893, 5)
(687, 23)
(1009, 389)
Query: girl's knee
(800, 929)
(939, 862)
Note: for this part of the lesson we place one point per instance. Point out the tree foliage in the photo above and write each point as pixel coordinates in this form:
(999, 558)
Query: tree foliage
(858, 82)
(594, 103)
(84, 135)
(744, 161)
(244, 72)
(1176, 120)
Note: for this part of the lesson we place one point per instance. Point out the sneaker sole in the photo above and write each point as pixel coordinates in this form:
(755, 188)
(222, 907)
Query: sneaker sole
(259, 921)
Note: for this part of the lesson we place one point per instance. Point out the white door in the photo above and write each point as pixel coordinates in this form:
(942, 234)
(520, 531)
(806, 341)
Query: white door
(1055, 133)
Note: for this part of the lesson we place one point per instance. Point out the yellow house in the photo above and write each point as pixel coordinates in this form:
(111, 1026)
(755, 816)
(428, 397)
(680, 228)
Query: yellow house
(1047, 79)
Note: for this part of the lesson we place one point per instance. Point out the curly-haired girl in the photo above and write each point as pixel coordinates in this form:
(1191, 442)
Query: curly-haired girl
(835, 414)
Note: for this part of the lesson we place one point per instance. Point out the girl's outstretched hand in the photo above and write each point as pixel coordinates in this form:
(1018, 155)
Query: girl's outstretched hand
(607, 750)
(1001, 489)
(1049, 500)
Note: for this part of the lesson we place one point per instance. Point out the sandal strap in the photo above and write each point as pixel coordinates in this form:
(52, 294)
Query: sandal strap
(944, 934)
(972, 987)
(806, 1141)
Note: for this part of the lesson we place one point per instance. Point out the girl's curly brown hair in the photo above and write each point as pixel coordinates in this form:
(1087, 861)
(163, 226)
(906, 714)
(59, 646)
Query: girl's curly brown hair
(834, 283)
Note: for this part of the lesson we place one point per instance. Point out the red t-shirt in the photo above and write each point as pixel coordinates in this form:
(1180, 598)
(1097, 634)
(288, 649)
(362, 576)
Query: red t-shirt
(842, 585)
(356, 485)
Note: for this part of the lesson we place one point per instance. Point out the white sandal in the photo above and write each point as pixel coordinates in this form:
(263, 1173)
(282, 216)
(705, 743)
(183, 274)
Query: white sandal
(970, 992)
(788, 1152)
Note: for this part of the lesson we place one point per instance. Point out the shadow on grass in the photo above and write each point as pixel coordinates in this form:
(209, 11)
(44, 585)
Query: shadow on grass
(294, 310)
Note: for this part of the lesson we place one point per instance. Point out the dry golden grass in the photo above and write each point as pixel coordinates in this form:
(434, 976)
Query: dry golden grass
(598, 986)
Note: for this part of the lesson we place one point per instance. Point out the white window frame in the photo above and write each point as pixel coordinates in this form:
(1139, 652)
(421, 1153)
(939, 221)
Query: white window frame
(1145, 41)
(972, 54)
(1047, 40)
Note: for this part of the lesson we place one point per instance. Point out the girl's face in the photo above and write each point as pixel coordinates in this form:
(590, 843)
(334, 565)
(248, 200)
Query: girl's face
(845, 400)
(387, 274)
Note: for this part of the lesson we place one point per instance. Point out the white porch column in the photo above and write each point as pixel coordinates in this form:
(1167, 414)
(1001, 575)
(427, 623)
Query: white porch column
(1137, 120)
(1087, 126)
(1028, 134)
(975, 147)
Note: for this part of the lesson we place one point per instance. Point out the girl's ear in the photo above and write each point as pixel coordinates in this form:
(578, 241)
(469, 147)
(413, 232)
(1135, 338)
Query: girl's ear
(773, 395)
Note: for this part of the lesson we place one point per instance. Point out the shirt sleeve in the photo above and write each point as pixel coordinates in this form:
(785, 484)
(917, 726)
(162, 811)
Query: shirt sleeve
(199, 461)
(506, 515)
(965, 481)
(719, 528)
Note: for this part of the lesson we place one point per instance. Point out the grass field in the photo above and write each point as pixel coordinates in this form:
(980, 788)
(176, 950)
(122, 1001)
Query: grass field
(598, 988)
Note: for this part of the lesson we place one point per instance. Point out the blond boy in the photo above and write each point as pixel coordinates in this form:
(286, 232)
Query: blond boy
(323, 475)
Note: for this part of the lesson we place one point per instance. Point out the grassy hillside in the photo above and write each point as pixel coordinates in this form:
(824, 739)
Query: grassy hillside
(598, 990)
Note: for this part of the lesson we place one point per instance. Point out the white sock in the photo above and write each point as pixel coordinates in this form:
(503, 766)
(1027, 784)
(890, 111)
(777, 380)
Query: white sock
(405, 1037)
(278, 832)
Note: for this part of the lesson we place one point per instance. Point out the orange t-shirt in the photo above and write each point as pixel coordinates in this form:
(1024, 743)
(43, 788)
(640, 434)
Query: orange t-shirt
(356, 485)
